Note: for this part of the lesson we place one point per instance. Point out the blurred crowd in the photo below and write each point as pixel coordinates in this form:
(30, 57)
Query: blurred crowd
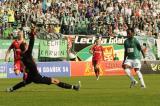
(106, 18)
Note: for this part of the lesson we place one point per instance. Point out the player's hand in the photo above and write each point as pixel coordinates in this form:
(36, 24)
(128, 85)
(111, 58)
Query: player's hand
(145, 62)
(33, 30)
(123, 65)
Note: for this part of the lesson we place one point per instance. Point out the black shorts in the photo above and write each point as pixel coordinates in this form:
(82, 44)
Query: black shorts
(39, 79)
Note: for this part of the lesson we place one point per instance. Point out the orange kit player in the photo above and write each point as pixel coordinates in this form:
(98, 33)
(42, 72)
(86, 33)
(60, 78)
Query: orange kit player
(98, 55)
(18, 66)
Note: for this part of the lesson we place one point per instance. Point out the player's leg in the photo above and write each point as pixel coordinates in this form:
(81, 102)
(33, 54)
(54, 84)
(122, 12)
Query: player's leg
(127, 68)
(65, 85)
(18, 86)
(48, 80)
(140, 76)
(137, 67)
(24, 71)
(96, 70)
(94, 67)
(17, 67)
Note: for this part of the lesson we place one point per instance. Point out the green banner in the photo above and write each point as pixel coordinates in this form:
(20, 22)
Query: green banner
(53, 48)
(158, 47)
(148, 44)
(81, 45)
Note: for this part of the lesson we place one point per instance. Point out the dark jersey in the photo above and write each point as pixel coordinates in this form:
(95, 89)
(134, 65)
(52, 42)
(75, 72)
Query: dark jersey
(28, 60)
(31, 67)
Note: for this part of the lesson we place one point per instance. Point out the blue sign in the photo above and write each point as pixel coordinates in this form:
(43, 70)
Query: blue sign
(10, 71)
(52, 69)
(49, 69)
(3, 70)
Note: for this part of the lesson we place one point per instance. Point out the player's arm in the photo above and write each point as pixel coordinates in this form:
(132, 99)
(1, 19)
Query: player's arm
(125, 54)
(143, 53)
(140, 48)
(31, 41)
(8, 52)
(91, 50)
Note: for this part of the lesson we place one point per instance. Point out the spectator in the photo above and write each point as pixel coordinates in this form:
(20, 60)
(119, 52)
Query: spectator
(74, 16)
(7, 32)
(71, 24)
(56, 28)
(5, 18)
(11, 18)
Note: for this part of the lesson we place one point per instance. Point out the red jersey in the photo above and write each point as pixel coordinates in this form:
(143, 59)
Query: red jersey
(97, 52)
(16, 48)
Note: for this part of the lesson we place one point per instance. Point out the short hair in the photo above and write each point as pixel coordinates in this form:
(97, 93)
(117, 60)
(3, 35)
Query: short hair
(22, 46)
(20, 34)
(96, 41)
(130, 29)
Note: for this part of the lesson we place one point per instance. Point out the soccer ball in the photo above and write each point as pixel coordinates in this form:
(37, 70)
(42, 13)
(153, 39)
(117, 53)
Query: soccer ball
(72, 56)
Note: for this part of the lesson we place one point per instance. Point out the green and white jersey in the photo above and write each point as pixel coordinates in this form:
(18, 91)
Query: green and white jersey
(132, 48)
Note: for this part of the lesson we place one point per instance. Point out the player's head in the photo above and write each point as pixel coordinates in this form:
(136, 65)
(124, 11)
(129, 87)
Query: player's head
(20, 35)
(130, 32)
(97, 41)
(23, 46)
(144, 44)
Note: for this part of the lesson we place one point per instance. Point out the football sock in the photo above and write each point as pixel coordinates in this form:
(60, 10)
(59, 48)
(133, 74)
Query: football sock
(140, 76)
(128, 72)
(97, 72)
(19, 85)
(65, 85)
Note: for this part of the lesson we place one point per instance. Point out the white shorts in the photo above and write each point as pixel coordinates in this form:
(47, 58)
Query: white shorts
(134, 63)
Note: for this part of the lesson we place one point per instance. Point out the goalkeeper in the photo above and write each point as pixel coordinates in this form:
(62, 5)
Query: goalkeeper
(32, 73)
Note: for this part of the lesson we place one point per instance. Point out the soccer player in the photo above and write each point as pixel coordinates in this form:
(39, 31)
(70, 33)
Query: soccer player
(132, 56)
(18, 67)
(98, 55)
(32, 71)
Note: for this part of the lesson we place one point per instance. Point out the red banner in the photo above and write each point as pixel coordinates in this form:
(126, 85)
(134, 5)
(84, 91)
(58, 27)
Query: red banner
(107, 68)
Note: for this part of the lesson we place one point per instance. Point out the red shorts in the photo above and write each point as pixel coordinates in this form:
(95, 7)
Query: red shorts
(18, 65)
(95, 62)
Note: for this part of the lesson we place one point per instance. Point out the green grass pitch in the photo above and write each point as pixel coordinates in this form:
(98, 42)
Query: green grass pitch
(107, 91)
